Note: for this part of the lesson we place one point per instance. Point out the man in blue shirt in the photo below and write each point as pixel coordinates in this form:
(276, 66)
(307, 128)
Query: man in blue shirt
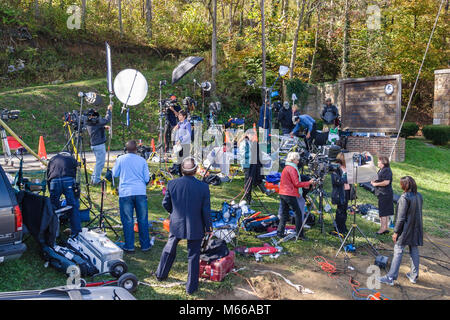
(309, 123)
(134, 177)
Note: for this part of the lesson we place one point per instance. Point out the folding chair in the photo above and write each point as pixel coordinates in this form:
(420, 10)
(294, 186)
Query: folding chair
(226, 222)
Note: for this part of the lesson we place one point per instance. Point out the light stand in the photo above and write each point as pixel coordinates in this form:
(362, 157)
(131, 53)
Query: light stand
(102, 218)
(6, 149)
(161, 129)
(356, 227)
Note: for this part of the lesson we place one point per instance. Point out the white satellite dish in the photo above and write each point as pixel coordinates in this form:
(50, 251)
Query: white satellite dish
(130, 87)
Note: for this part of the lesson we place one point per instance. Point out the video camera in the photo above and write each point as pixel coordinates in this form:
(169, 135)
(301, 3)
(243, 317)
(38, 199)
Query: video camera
(361, 159)
(321, 165)
(73, 118)
(189, 103)
(276, 106)
(169, 102)
(6, 114)
(142, 151)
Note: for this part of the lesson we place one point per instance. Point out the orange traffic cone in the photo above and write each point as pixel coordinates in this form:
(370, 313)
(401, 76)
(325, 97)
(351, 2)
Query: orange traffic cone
(153, 145)
(42, 153)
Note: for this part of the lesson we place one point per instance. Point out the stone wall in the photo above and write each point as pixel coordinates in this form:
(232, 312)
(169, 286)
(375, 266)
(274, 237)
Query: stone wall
(378, 146)
(441, 103)
(316, 98)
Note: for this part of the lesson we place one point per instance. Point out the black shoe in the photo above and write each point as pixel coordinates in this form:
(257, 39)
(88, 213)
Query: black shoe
(129, 251)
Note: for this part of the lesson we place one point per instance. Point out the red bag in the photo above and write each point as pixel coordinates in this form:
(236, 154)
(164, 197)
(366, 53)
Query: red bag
(217, 269)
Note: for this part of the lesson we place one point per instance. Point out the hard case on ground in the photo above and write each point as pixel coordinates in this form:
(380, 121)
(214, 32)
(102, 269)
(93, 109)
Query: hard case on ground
(102, 252)
(217, 269)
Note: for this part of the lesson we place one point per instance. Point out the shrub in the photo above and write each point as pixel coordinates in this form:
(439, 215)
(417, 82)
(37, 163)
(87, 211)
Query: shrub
(319, 124)
(438, 134)
(409, 129)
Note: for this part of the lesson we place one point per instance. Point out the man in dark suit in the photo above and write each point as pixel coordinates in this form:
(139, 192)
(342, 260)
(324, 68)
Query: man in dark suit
(188, 202)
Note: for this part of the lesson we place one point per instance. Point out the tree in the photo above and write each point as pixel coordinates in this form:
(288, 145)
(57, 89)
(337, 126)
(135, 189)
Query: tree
(214, 42)
(295, 41)
(83, 14)
(148, 17)
(263, 44)
(346, 42)
(120, 17)
(316, 38)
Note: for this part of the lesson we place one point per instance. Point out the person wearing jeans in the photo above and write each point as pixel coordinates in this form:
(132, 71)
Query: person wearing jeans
(408, 232)
(61, 173)
(96, 129)
(134, 177)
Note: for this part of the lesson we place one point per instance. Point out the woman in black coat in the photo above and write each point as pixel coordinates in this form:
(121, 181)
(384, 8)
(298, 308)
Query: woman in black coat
(408, 231)
(385, 194)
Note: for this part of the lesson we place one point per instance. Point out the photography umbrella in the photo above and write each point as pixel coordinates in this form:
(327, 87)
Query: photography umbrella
(184, 67)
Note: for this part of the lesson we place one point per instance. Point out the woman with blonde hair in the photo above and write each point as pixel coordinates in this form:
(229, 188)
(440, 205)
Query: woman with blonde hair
(290, 190)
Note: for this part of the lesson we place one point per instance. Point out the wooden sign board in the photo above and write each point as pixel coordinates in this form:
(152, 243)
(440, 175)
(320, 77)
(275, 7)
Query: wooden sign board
(371, 104)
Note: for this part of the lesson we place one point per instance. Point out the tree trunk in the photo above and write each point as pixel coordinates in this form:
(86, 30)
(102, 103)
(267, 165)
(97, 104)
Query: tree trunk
(36, 8)
(295, 42)
(284, 14)
(120, 17)
(148, 16)
(230, 28)
(83, 14)
(214, 43)
(263, 44)
(345, 46)
(241, 22)
(331, 24)
(313, 61)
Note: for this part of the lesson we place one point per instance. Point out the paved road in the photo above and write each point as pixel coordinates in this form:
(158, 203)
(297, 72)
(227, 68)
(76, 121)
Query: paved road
(30, 163)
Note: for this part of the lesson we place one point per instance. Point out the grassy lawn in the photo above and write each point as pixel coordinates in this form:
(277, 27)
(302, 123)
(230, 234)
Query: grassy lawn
(427, 164)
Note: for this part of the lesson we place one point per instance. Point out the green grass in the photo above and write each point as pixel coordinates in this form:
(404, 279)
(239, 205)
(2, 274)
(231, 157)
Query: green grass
(428, 165)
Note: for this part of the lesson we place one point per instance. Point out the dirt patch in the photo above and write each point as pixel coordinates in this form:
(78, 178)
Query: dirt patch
(433, 283)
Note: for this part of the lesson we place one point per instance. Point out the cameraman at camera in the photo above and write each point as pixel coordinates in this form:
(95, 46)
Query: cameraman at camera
(285, 118)
(330, 114)
(96, 128)
(307, 122)
(340, 195)
(61, 175)
(172, 109)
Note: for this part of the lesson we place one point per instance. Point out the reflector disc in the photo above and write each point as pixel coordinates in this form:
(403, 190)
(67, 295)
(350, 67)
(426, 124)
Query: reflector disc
(130, 87)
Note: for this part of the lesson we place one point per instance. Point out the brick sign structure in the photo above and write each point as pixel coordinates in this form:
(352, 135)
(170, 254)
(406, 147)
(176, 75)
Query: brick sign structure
(371, 104)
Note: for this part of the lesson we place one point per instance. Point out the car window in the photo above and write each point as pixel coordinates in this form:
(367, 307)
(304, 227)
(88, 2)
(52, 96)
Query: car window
(5, 190)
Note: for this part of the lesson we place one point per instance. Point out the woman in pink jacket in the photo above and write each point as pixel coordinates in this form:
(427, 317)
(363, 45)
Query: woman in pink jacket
(290, 190)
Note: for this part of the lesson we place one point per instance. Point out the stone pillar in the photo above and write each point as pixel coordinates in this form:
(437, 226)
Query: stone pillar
(441, 103)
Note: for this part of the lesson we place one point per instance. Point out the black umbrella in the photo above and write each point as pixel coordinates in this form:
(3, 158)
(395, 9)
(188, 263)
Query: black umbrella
(184, 67)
